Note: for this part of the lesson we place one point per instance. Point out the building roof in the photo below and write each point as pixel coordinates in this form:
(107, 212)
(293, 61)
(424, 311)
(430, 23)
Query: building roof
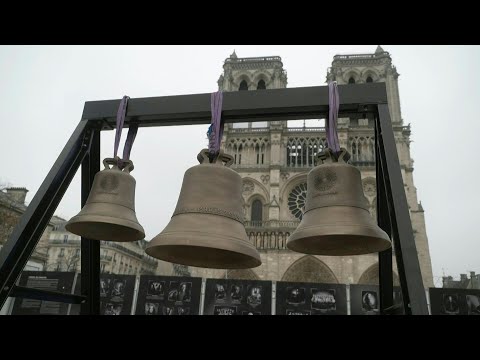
(8, 201)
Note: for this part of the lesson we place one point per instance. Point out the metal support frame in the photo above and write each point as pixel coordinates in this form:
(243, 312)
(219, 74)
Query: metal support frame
(45, 295)
(276, 104)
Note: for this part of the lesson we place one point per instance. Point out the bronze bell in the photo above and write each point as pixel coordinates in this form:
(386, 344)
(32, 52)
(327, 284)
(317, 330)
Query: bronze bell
(336, 220)
(109, 213)
(207, 227)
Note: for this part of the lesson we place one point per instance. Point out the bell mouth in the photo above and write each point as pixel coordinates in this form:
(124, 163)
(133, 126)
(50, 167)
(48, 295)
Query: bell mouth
(338, 244)
(204, 257)
(106, 228)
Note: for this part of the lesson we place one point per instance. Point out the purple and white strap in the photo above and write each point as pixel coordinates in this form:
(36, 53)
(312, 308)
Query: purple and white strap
(132, 133)
(331, 124)
(215, 132)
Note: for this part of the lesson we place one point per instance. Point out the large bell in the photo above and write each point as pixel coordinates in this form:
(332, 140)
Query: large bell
(207, 227)
(336, 220)
(109, 213)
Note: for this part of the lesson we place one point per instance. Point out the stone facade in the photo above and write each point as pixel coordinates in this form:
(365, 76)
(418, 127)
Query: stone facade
(12, 207)
(59, 250)
(116, 258)
(274, 159)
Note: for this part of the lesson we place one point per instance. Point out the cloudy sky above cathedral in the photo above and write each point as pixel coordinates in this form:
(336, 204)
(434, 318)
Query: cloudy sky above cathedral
(43, 90)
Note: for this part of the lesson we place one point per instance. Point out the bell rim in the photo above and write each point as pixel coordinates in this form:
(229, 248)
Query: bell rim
(203, 240)
(106, 220)
(305, 244)
(153, 252)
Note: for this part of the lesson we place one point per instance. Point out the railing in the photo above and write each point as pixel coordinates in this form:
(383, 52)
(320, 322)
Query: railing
(300, 166)
(254, 59)
(308, 129)
(69, 241)
(362, 163)
(247, 130)
(272, 224)
(359, 56)
(122, 248)
(250, 166)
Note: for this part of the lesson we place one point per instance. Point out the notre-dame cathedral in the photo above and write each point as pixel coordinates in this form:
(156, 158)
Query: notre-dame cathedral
(274, 158)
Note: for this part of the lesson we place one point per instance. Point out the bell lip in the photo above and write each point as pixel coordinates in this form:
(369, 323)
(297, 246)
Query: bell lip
(156, 252)
(79, 219)
(170, 241)
(300, 241)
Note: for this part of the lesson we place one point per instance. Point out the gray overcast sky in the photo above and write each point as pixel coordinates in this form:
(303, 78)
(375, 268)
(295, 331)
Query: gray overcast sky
(43, 90)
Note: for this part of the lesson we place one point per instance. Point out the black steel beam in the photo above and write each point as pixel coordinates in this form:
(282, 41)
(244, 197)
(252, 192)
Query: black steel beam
(45, 295)
(90, 249)
(238, 106)
(277, 104)
(413, 292)
(383, 219)
(21, 243)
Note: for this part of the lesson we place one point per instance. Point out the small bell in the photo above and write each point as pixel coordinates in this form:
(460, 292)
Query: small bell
(109, 213)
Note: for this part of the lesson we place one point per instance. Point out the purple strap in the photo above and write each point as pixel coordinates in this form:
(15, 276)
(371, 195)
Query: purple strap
(331, 124)
(132, 133)
(215, 132)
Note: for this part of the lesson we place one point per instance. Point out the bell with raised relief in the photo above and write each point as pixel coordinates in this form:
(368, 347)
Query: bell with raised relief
(207, 227)
(336, 220)
(109, 213)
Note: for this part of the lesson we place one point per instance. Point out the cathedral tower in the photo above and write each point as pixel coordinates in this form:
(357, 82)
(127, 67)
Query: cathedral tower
(274, 158)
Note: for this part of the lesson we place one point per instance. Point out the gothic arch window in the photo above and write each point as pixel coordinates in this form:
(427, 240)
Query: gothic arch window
(241, 274)
(310, 269)
(369, 79)
(260, 153)
(257, 211)
(243, 85)
(371, 276)
(297, 199)
(351, 80)
(261, 85)
(363, 149)
(354, 151)
(302, 152)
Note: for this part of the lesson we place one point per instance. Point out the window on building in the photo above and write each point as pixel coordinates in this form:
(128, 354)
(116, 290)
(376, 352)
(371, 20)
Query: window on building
(259, 124)
(62, 252)
(369, 79)
(243, 85)
(351, 80)
(103, 268)
(65, 238)
(77, 252)
(59, 267)
(257, 210)
(261, 85)
(241, 125)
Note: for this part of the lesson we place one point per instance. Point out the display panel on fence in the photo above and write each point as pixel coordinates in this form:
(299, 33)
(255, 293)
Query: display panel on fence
(237, 297)
(310, 299)
(447, 301)
(116, 294)
(52, 281)
(168, 295)
(364, 299)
